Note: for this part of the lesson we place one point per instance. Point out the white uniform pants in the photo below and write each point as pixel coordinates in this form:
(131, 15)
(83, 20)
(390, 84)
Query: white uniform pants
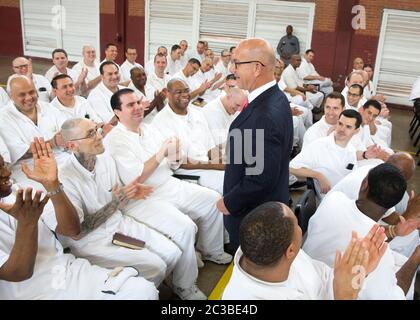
(212, 179)
(315, 98)
(164, 217)
(153, 263)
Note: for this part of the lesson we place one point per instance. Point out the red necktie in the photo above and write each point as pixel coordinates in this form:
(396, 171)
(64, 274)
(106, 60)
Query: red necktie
(245, 104)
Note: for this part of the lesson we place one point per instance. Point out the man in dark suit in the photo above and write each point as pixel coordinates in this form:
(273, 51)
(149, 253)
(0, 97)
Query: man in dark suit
(260, 139)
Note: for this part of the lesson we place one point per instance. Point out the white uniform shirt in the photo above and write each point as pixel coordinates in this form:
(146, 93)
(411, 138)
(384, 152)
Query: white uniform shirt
(18, 131)
(89, 192)
(316, 131)
(330, 229)
(49, 259)
(4, 98)
(192, 84)
(308, 280)
(306, 69)
(291, 78)
(53, 71)
(131, 150)
(81, 109)
(173, 66)
(192, 129)
(100, 100)
(325, 156)
(158, 83)
(196, 55)
(218, 120)
(220, 67)
(42, 85)
(4, 152)
(93, 72)
(149, 68)
(126, 68)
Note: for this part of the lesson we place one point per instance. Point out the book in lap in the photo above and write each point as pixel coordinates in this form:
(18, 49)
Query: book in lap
(122, 240)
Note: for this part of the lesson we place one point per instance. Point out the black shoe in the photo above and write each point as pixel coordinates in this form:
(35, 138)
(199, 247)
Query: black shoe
(297, 185)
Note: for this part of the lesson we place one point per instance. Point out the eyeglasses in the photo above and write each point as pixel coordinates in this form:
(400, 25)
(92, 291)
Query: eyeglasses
(91, 134)
(21, 66)
(237, 63)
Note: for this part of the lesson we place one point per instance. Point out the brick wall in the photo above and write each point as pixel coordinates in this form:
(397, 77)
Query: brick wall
(325, 15)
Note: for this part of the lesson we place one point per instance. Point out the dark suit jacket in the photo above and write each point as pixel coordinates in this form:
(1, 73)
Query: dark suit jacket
(257, 167)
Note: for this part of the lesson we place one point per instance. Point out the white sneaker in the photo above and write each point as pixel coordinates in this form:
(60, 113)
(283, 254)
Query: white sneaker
(223, 258)
(192, 293)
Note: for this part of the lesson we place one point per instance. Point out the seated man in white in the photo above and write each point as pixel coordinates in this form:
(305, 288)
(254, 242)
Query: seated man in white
(90, 65)
(149, 67)
(111, 54)
(404, 243)
(328, 160)
(301, 107)
(4, 98)
(371, 132)
(139, 149)
(269, 265)
(187, 75)
(354, 77)
(4, 152)
(329, 230)
(354, 97)
(292, 80)
(201, 155)
(207, 74)
(61, 62)
(184, 53)
(32, 262)
(308, 73)
(99, 98)
(26, 118)
(22, 66)
(221, 112)
(88, 176)
(199, 53)
(129, 63)
(155, 99)
(174, 62)
(68, 104)
(223, 65)
(158, 79)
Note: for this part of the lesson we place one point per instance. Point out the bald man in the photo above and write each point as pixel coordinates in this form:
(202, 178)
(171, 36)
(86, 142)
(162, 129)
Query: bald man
(260, 138)
(22, 66)
(25, 118)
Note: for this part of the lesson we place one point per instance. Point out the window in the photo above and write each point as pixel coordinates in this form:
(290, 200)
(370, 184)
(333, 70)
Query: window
(51, 24)
(223, 23)
(398, 59)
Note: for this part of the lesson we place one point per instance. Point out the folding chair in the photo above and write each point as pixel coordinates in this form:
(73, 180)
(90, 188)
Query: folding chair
(305, 208)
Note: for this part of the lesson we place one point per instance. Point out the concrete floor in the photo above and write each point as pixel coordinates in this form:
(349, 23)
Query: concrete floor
(210, 274)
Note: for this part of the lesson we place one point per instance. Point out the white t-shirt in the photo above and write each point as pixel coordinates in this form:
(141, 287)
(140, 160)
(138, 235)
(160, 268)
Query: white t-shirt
(42, 85)
(4, 152)
(93, 71)
(190, 80)
(308, 280)
(330, 229)
(218, 120)
(53, 71)
(126, 68)
(291, 78)
(149, 68)
(220, 67)
(18, 131)
(306, 69)
(173, 66)
(81, 109)
(89, 192)
(100, 100)
(131, 150)
(325, 156)
(192, 129)
(158, 83)
(4, 98)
